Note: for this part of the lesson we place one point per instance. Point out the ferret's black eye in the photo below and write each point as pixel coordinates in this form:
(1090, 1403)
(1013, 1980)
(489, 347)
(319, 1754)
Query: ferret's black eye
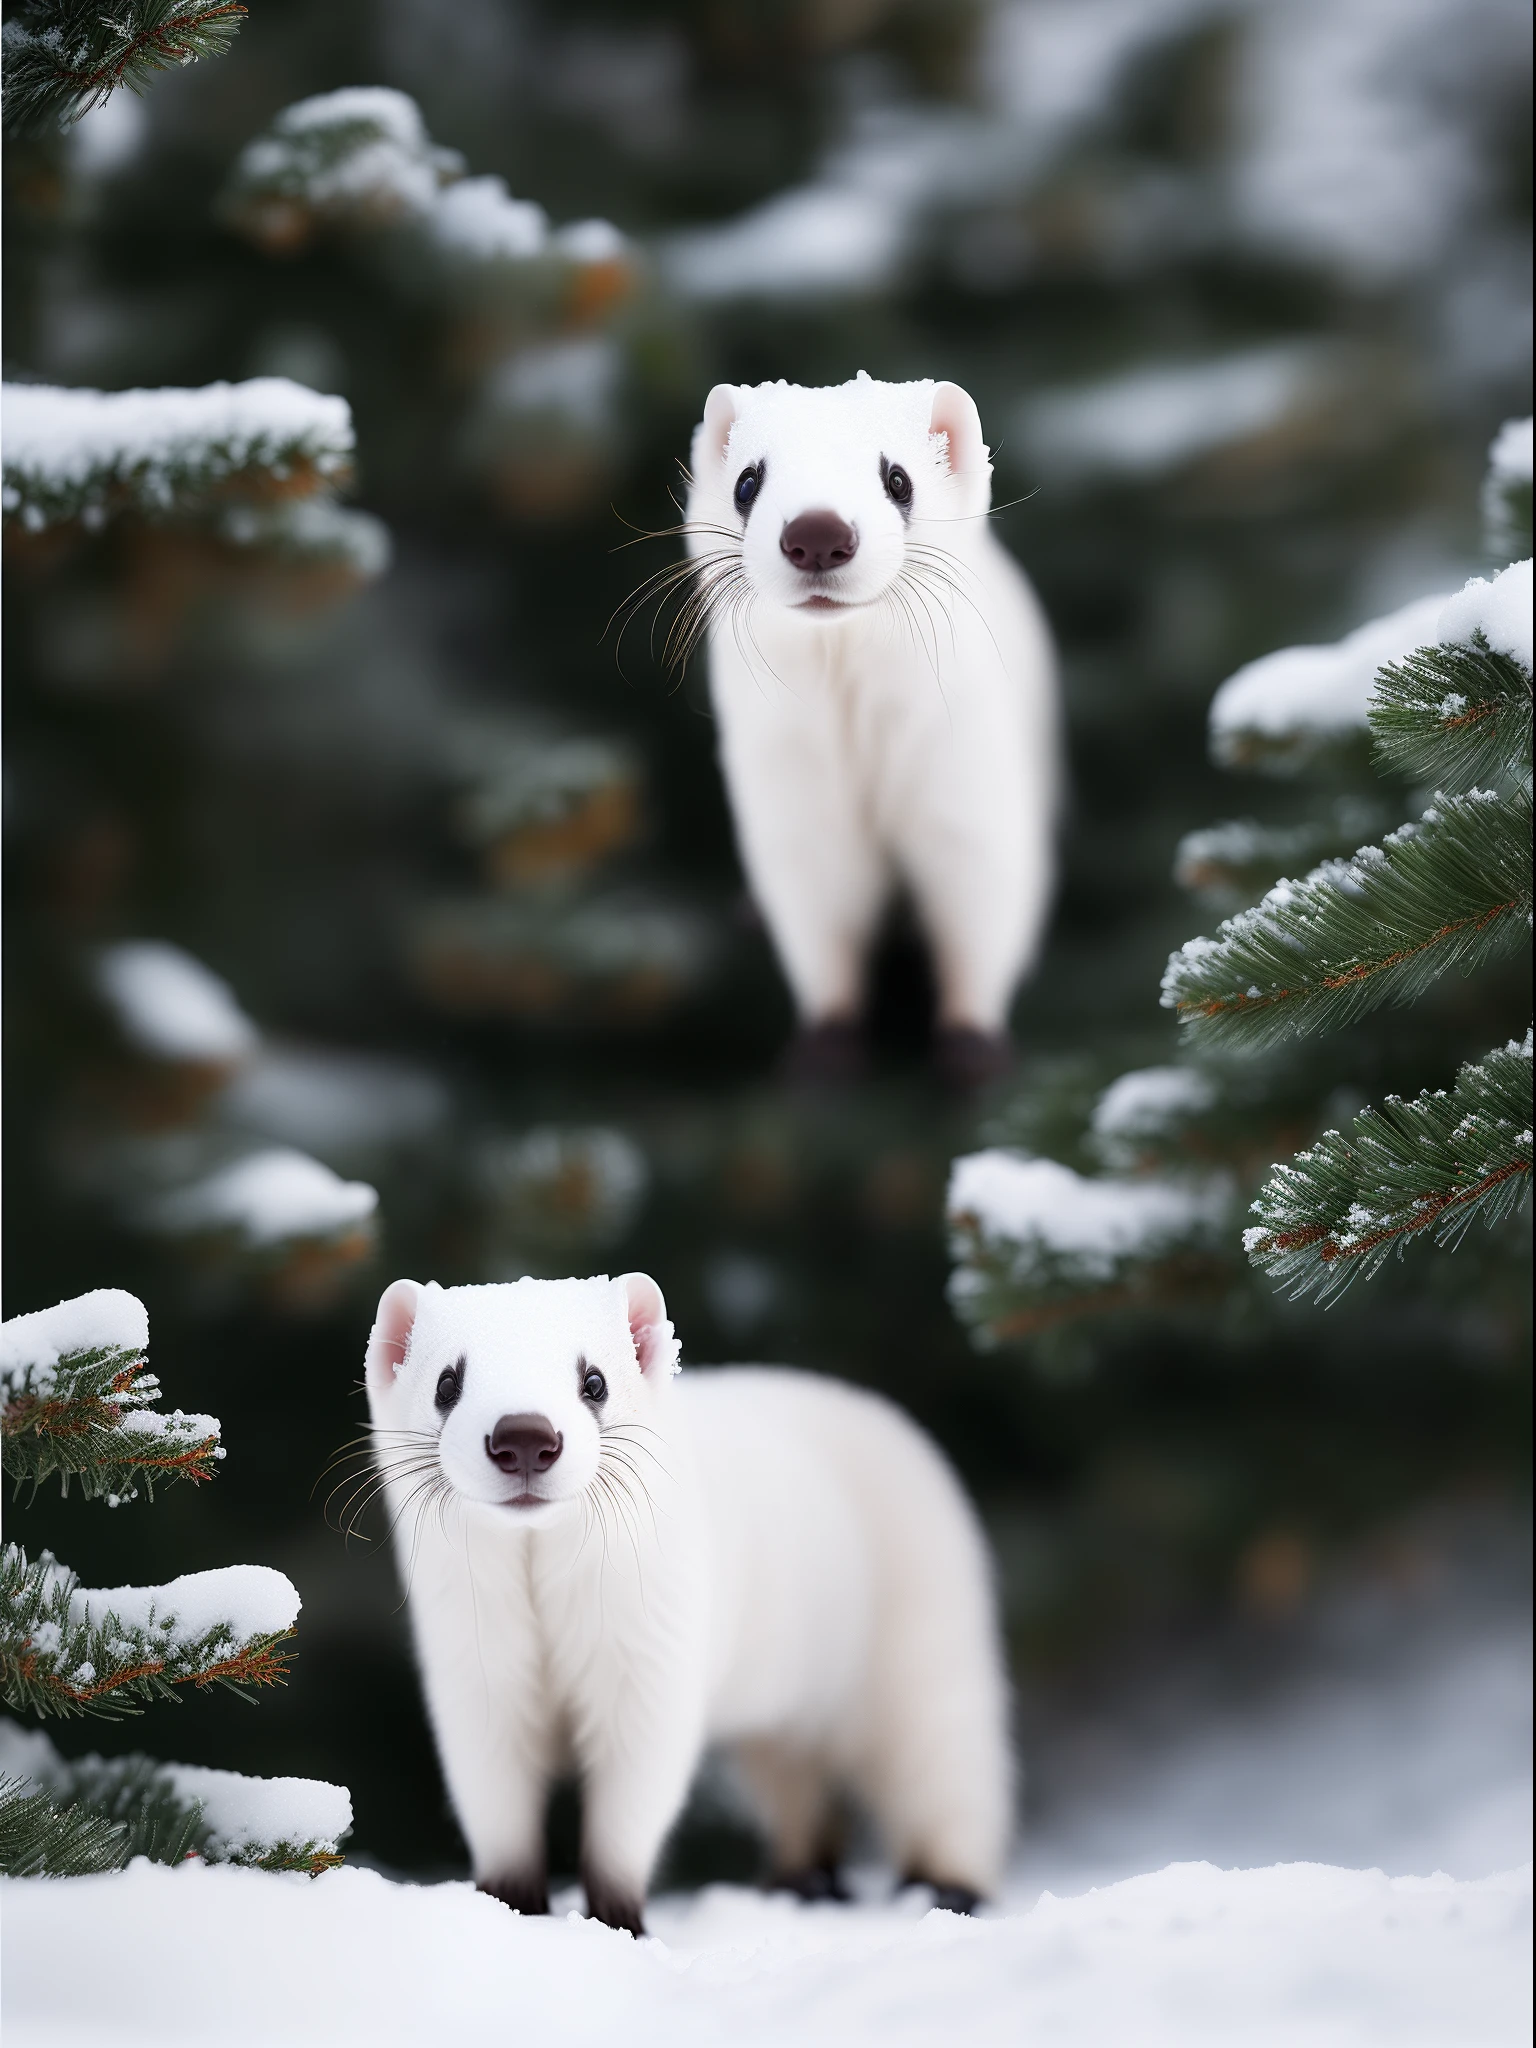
(594, 1387)
(450, 1384)
(748, 484)
(898, 484)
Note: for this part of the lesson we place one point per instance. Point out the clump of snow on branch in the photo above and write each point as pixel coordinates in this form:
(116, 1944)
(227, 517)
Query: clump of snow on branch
(248, 1814)
(32, 1346)
(1507, 489)
(362, 157)
(1324, 692)
(74, 454)
(361, 151)
(1052, 1214)
(1498, 611)
(241, 1819)
(267, 1199)
(169, 1005)
(1151, 421)
(479, 218)
(250, 1599)
(313, 530)
(1142, 1107)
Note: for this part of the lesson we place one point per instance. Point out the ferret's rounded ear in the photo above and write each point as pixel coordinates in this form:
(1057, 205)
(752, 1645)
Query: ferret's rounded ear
(720, 410)
(391, 1332)
(656, 1346)
(955, 416)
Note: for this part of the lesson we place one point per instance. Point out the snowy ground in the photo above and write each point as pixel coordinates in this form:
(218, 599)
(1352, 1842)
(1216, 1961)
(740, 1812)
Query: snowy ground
(1216, 1875)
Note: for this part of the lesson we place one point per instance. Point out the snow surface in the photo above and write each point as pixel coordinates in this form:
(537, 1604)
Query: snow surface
(252, 1598)
(267, 1198)
(1323, 690)
(1194, 1877)
(1297, 1954)
(108, 1318)
(171, 1006)
(1041, 1203)
(1500, 610)
(59, 440)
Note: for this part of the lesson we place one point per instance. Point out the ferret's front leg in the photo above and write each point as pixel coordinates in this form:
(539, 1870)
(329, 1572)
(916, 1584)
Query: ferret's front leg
(495, 1732)
(636, 1771)
(815, 869)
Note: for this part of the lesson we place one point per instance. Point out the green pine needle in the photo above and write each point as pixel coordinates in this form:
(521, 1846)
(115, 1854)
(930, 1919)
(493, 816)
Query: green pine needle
(63, 57)
(1456, 717)
(38, 1839)
(91, 1420)
(1433, 1165)
(54, 1661)
(1453, 891)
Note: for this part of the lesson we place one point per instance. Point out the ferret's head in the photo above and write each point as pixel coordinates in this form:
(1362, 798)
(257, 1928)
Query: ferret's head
(509, 1393)
(821, 501)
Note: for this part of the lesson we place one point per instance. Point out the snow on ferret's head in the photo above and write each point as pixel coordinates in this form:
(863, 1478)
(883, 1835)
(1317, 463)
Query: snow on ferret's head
(836, 492)
(514, 1390)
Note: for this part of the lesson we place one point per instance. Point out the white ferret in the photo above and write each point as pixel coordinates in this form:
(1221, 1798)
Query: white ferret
(608, 1568)
(885, 690)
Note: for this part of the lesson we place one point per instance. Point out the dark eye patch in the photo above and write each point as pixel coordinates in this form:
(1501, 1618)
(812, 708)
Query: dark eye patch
(450, 1384)
(898, 485)
(748, 485)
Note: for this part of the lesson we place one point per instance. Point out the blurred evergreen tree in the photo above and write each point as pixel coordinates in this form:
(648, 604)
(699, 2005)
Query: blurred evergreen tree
(1238, 339)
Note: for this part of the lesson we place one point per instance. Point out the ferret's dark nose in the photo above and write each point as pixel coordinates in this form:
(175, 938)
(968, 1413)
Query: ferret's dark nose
(523, 1445)
(817, 541)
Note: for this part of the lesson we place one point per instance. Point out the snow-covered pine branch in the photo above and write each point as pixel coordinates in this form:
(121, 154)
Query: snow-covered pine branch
(1236, 861)
(361, 160)
(170, 1811)
(1280, 711)
(1435, 1164)
(65, 1649)
(78, 1401)
(38, 1839)
(83, 455)
(63, 57)
(1454, 716)
(267, 1200)
(1035, 1243)
(1507, 492)
(1452, 891)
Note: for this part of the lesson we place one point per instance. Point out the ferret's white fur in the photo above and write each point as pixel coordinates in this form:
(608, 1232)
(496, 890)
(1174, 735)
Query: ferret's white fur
(749, 1556)
(908, 737)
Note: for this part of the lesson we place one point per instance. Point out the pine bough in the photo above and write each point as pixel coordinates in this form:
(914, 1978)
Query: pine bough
(76, 1402)
(1141, 1216)
(63, 57)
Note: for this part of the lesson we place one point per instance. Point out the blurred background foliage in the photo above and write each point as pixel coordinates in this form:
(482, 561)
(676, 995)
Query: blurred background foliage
(1241, 288)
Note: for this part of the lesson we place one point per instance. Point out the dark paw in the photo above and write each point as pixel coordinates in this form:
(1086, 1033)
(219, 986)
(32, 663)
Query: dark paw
(527, 1893)
(947, 1898)
(819, 1885)
(829, 1055)
(615, 1905)
(967, 1060)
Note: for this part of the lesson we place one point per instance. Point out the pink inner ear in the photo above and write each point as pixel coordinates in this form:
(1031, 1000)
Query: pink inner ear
(391, 1332)
(649, 1330)
(955, 416)
(719, 418)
